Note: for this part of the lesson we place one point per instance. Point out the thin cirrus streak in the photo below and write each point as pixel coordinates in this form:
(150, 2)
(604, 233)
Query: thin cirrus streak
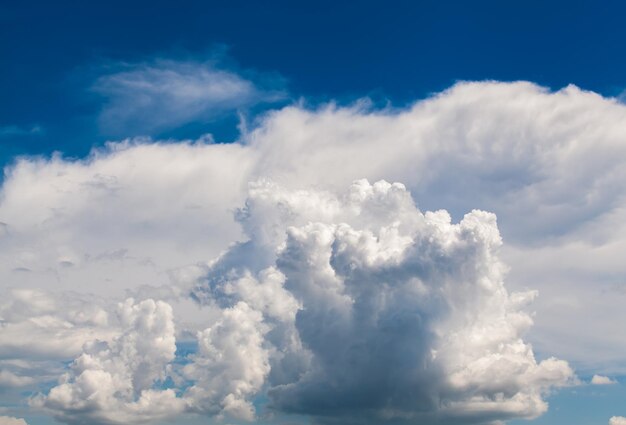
(152, 97)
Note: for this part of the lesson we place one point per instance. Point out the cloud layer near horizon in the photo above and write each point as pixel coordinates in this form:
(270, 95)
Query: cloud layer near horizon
(126, 221)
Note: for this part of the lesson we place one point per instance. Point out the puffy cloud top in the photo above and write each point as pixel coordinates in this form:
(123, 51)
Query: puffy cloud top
(113, 382)
(400, 315)
(350, 308)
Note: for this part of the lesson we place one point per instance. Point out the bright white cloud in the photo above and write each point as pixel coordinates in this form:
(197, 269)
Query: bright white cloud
(392, 302)
(602, 380)
(124, 215)
(231, 364)
(550, 165)
(350, 304)
(113, 382)
(617, 420)
(149, 98)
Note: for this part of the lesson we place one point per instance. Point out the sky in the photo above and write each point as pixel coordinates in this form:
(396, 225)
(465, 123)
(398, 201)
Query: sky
(312, 213)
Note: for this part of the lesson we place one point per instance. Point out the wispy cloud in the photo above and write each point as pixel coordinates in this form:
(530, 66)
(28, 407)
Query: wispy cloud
(14, 130)
(152, 97)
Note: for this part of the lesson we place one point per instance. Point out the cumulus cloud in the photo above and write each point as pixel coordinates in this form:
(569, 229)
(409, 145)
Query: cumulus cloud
(152, 97)
(549, 164)
(617, 420)
(402, 316)
(506, 148)
(9, 420)
(507, 144)
(602, 380)
(231, 364)
(114, 382)
(351, 308)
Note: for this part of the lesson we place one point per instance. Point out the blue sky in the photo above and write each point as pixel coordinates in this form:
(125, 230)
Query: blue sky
(397, 52)
(168, 150)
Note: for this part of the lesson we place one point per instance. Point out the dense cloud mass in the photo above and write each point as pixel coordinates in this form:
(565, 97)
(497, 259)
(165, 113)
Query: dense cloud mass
(352, 308)
(112, 382)
(402, 316)
(303, 297)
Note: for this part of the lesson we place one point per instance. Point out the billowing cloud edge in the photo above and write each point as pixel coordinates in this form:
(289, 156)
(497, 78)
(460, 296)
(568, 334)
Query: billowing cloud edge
(358, 303)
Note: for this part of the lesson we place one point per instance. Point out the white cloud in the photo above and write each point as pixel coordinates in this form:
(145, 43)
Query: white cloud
(10, 379)
(392, 302)
(149, 98)
(38, 325)
(231, 364)
(602, 380)
(617, 420)
(121, 216)
(9, 420)
(113, 382)
(353, 301)
(550, 165)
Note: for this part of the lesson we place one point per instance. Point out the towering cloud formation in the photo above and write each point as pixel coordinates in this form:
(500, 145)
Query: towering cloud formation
(231, 364)
(379, 312)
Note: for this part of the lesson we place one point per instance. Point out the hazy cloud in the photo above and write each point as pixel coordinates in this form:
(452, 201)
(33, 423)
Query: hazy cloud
(602, 380)
(38, 325)
(148, 98)
(13, 130)
(10, 379)
(9, 420)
